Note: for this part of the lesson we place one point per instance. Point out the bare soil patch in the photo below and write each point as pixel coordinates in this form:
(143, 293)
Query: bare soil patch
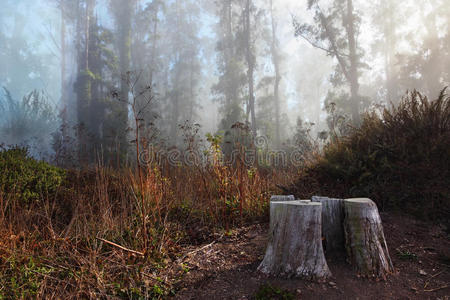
(226, 268)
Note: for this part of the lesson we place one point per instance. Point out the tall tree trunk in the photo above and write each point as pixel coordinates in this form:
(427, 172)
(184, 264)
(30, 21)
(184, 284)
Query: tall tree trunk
(276, 87)
(87, 83)
(175, 97)
(251, 67)
(231, 95)
(78, 37)
(96, 110)
(191, 90)
(390, 46)
(124, 44)
(175, 85)
(83, 81)
(64, 103)
(354, 82)
(155, 39)
(86, 34)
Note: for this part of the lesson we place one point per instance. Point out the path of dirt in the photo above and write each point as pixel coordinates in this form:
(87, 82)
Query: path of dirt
(226, 269)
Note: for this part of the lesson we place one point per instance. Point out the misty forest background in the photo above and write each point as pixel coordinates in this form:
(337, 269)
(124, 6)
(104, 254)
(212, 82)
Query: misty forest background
(289, 70)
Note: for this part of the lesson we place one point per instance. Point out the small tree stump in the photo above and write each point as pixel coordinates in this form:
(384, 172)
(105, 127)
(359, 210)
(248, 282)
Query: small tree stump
(365, 243)
(295, 247)
(332, 225)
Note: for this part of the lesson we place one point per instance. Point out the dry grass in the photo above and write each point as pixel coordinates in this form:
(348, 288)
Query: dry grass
(55, 247)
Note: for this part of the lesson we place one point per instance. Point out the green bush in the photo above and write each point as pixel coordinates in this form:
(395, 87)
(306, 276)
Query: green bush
(400, 158)
(25, 178)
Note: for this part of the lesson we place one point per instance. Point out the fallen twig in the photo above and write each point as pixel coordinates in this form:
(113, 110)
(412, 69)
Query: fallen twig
(199, 249)
(121, 247)
(428, 280)
(437, 289)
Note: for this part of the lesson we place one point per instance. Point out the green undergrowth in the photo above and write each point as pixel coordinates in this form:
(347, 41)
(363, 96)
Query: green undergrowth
(27, 179)
(399, 157)
(21, 277)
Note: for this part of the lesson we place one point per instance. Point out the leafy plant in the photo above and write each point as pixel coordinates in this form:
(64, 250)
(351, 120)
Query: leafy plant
(21, 279)
(26, 178)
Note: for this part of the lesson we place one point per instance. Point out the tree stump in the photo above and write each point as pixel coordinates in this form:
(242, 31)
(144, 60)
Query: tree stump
(365, 243)
(332, 225)
(295, 247)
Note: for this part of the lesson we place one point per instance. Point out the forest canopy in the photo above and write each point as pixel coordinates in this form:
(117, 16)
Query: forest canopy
(281, 67)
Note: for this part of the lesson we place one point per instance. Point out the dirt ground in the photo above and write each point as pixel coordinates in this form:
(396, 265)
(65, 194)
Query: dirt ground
(226, 268)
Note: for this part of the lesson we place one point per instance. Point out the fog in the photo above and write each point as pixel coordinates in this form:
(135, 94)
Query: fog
(102, 68)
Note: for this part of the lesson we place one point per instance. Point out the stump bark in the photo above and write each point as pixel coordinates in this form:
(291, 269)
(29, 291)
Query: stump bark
(365, 242)
(295, 247)
(279, 198)
(332, 225)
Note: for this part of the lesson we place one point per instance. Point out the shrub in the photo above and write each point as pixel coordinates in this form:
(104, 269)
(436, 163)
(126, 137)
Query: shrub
(400, 158)
(26, 178)
(28, 121)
